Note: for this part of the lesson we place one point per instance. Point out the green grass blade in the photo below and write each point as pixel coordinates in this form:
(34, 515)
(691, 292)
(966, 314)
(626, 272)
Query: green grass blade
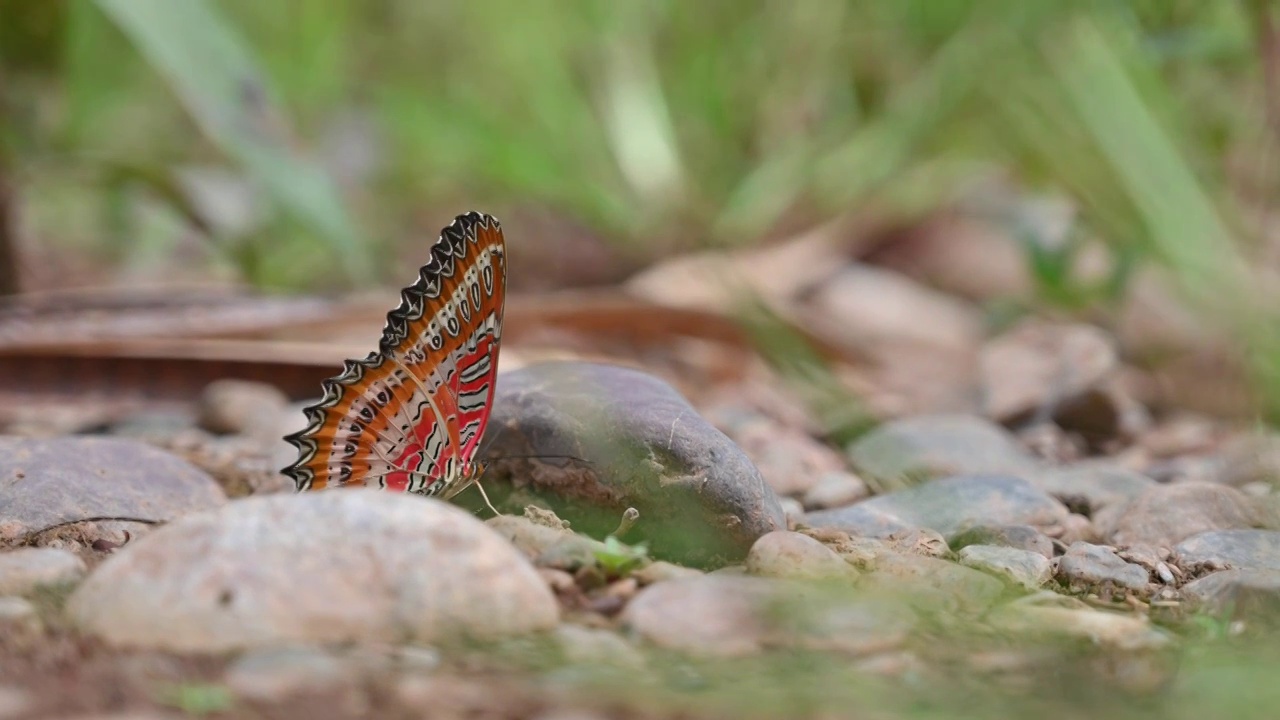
(216, 78)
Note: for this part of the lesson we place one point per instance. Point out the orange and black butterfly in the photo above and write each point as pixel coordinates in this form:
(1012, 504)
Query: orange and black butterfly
(410, 416)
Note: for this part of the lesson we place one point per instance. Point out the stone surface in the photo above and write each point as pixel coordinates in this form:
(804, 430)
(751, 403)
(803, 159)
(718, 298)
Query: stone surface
(49, 482)
(1167, 514)
(1021, 537)
(932, 585)
(1251, 595)
(1251, 458)
(661, 571)
(835, 489)
(793, 511)
(1090, 566)
(792, 555)
(597, 647)
(241, 407)
(1236, 549)
(928, 543)
(14, 702)
(872, 306)
(711, 615)
(25, 570)
(325, 567)
(1092, 485)
(922, 345)
(16, 610)
(638, 444)
(947, 506)
(1038, 364)
(932, 446)
(1122, 632)
(546, 546)
(1020, 567)
(274, 674)
(733, 615)
(20, 624)
(790, 460)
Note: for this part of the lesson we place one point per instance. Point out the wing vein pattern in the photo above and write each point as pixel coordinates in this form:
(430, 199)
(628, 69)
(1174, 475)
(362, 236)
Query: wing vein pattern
(410, 416)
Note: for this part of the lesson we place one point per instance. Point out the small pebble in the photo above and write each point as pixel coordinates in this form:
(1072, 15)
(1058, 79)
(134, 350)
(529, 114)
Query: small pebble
(25, 570)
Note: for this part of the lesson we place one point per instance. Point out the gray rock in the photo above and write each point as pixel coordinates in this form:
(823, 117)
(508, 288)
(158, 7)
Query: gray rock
(1039, 365)
(947, 506)
(1092, 485)
(597, 647)
(19, 620)
(863, 520)
(1091, 566)
(919, 542)
(1114, 630)
(25, 570)
(546, 546)
(1165, 515)
(662, 571)
(793, 511)
(241, 407)
(932, 585)
(1020, 567)
(734, 615)
(333, 566)
(790, 460)
(1250, 595)
(638, 444)
(15, 702)
(1021, 537)
(717, 615)
(932, 446)
(1250, 458)
(792, 555)
(1236, 549)
(835, 489)
(50, 482)
(274, 674)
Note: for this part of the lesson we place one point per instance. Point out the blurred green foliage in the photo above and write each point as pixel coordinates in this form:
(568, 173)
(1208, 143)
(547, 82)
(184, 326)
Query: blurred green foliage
(663, 124)
(344, 125)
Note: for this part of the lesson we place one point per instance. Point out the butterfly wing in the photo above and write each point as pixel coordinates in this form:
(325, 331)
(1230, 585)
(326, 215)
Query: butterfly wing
(396, 419)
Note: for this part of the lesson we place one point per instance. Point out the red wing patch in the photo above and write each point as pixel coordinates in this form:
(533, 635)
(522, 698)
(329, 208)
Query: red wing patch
(410, 416)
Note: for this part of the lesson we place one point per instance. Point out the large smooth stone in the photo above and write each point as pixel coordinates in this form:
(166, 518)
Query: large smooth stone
(333, 566)
(48, 482)
(637, 443)
(1236, 549)
(933, 446)
(948, 506)
(1165, 515)
(1251, 595)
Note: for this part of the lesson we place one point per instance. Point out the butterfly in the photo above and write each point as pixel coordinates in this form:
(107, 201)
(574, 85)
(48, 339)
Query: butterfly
(410, 416)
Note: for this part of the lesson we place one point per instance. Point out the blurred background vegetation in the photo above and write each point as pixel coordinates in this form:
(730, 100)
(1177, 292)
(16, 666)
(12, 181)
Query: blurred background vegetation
(316, 144)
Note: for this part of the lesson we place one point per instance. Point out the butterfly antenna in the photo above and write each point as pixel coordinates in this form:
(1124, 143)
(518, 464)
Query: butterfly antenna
(485, 495)
(540, 457)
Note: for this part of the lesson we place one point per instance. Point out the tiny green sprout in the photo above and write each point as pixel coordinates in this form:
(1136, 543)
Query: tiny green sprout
(197, 698)
(618, 559)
